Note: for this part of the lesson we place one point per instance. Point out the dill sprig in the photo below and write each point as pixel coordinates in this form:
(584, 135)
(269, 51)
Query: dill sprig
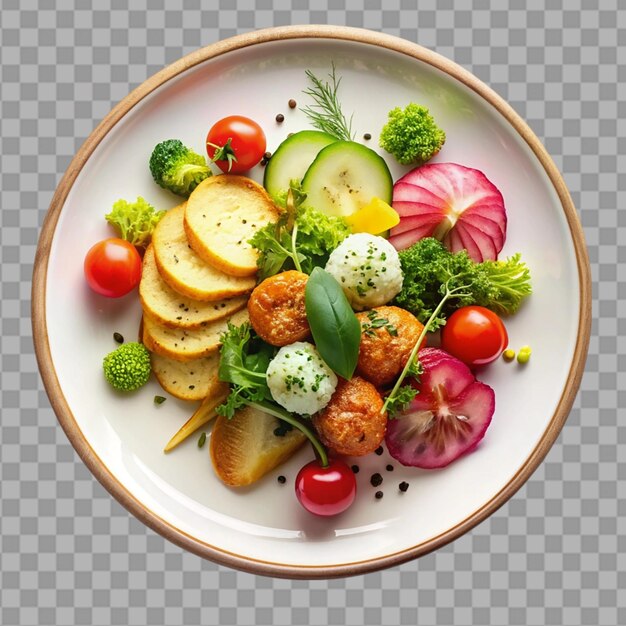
(326, 113)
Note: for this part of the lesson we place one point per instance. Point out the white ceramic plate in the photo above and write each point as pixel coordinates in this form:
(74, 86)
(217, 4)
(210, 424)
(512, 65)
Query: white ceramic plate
(263, 529)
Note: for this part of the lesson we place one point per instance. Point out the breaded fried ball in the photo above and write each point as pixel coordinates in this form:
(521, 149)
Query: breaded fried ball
(388, 334)
(277, 311)
(352, 423)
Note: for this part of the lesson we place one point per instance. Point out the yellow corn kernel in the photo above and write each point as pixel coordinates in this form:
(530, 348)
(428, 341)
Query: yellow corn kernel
(508, 355)
(524, 354)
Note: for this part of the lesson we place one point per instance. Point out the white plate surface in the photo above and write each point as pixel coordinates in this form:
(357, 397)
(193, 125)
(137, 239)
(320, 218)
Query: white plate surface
(265, 523)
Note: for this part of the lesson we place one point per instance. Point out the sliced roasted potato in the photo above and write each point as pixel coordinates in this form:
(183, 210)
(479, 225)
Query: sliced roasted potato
(189, 380)
(184, 271)
(170, 308)
(245, 448)
(222, 213)
(182, 344)
(204, 414)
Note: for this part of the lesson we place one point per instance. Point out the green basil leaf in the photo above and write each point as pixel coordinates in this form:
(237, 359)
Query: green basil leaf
(334, 326)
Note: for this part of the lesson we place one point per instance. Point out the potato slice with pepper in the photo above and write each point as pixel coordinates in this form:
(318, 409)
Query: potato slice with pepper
(246, 447)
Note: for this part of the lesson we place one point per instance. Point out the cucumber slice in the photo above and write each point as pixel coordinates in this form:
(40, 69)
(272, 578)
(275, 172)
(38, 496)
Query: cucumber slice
(292, 159)
(346, 176)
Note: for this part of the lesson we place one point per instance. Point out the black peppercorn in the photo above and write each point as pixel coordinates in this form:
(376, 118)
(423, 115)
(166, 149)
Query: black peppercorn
(376, 479)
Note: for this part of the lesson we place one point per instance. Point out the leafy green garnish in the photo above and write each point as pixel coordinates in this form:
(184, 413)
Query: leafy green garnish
(326, 114)
(415, 369)
(428, 267)
(374, 322)
(436, 281)
(302, 239)
(244, 359)
(134, 221)
(318, 235)
(334, 326)
(398, 398)
(405, 394)
(401, 400)
(298, 196)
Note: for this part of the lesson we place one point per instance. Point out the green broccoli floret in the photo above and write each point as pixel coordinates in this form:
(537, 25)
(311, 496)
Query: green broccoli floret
(411, 135)
(128, 367)
(177, 168)
(134, 221)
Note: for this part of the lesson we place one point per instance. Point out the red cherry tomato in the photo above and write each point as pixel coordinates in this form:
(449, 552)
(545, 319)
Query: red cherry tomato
(235, 144)
(475, 335)
(326, 490)
(113, 267)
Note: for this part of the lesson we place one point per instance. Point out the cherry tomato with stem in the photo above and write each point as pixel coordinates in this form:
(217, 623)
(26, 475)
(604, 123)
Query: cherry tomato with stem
(326, 490)
(475, 335)
(113, 267)
(235, 144)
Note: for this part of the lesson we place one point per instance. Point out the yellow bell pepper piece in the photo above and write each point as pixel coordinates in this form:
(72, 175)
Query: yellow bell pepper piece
(374, 218)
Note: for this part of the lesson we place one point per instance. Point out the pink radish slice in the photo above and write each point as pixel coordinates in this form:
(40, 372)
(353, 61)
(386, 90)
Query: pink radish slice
(447, 419)
(458, 205)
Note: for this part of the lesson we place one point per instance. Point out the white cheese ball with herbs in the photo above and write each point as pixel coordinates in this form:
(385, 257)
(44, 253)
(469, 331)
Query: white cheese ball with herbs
(368, 269)
(299, 380)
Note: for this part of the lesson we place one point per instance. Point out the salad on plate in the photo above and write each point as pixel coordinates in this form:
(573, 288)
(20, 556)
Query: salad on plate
(330, 305)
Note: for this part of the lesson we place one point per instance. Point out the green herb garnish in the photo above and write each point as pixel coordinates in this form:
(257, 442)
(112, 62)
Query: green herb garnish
(369, 328)
(159, 399)
(244, 360)
(428, 267)
(334, 326)
(326, 114)
(412, 368)
(302, 239)
(401, 400)
(202, 440)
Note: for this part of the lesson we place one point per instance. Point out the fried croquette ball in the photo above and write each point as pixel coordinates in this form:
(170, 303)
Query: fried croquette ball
(352, 422)
(277, 311)
(388, 334)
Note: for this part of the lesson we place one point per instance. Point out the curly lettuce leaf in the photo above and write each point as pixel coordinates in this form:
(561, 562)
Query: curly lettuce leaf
(317, 235)
(134, 221)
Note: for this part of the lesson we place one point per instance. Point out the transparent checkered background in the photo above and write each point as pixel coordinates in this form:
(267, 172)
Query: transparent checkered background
(555, 554)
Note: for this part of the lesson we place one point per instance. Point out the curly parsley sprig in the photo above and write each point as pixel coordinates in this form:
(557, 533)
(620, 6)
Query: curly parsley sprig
(427, 265)
(397, 398)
